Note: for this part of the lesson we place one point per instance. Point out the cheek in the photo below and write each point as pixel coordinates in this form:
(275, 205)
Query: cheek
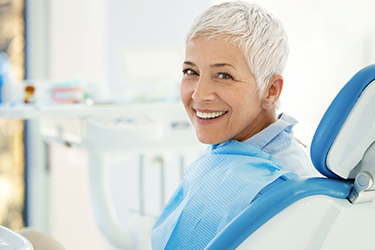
(245, 105)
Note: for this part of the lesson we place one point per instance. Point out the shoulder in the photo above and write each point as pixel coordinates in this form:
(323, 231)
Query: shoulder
(284, 147)
(278, 141)
(296, 158)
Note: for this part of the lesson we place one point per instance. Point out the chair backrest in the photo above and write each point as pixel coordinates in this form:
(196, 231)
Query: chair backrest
(347, 128)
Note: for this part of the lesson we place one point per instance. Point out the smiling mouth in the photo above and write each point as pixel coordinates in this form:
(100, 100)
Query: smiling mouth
(210, 115)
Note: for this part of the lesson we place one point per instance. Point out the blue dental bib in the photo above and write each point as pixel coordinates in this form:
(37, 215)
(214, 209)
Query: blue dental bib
(214, 190)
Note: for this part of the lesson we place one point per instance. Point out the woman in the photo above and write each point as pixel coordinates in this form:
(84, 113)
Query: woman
(235, 55)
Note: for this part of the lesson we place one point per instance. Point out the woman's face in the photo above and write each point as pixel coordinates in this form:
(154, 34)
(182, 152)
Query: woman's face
(219, 92)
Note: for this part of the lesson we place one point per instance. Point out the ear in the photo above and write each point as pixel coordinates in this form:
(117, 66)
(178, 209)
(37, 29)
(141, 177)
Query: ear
(273, 92)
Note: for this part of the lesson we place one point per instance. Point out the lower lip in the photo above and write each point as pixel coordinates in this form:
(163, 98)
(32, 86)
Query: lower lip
(208, 121)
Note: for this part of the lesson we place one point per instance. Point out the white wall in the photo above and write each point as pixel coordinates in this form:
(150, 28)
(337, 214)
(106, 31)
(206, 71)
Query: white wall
(78, 39)
(145, 23)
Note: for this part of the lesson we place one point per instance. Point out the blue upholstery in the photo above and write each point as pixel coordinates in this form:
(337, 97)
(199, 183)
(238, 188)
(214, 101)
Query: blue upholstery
(275, 201)
(335, 117)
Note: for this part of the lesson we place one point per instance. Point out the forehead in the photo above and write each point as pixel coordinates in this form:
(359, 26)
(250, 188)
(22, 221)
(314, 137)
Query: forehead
(214, 50)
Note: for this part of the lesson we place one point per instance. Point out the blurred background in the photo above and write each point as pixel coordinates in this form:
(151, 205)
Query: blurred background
(125, 51)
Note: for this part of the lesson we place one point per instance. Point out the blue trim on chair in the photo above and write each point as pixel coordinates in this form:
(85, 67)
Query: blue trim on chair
(335, 117)
(271, 203)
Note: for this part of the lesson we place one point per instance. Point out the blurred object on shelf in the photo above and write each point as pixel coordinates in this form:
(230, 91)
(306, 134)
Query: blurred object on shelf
(29, 94)
(67, 91)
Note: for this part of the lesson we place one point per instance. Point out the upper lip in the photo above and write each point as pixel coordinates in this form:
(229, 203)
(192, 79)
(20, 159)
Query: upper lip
(208, 110)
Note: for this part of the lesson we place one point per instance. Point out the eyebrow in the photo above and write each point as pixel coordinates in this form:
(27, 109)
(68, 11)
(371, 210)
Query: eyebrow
(216, 65)
(189, 63)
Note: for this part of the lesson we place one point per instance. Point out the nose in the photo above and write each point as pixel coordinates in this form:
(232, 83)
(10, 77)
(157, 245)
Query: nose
(204, 90)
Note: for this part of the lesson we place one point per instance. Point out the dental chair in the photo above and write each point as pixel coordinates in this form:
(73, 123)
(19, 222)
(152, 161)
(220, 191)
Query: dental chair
(332, 212)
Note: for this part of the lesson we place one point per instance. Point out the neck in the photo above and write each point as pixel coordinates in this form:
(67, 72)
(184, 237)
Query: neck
(263, 120)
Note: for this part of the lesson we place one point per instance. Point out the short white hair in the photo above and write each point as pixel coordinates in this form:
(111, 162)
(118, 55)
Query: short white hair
(257, 32)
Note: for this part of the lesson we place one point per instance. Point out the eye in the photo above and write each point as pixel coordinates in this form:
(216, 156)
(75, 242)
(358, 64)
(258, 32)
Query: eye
(225, 76)
(189, 72)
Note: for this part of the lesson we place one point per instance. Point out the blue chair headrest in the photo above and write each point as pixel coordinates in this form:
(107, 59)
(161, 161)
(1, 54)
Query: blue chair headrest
(334, 118)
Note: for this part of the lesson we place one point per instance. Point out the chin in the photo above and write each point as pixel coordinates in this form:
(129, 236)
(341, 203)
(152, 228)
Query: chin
(209, 140)
(205, 140)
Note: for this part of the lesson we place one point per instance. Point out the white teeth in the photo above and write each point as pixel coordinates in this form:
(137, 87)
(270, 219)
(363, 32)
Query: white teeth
(210, 115)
